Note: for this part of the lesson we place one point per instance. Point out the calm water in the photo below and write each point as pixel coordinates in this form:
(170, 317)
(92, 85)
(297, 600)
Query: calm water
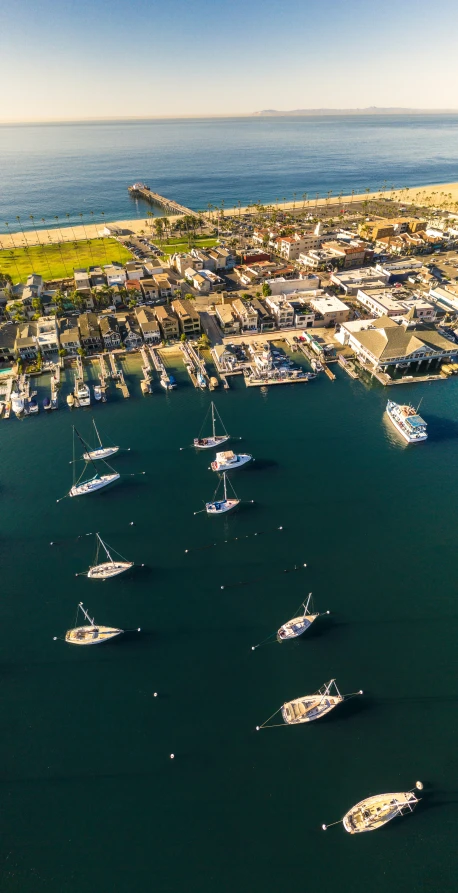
(58, 169)
(90, 799)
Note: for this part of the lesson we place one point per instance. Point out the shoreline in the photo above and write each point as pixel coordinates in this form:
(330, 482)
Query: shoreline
(37, 236)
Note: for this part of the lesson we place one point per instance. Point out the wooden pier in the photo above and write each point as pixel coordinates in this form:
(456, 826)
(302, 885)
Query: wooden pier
(139, 190)
(145, 383)
(118, 376)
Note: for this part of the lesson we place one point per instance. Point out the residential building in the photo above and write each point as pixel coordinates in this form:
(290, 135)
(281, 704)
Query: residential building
(227, 319)
(82, 281)
(349, 255)
(115, 275)
(225, 359)
(227, 259)
(350, 282)
(47, 336)
(199, 281)
(304, 316)
(89, 331)
(283, 286)
(168, 323)
(149, 326)
(109, 329)
(149, 289)
(69, 337)
(134, 270)
(246, 314)
(188, 317)
(26, 343)
(266, 322)
(181, 262)
(204, 259)
(164, 285)
(8, 332)
(329, 311)
(134, 289)
(131, 334)
(384, 345)
(97, 277)
(282, 311)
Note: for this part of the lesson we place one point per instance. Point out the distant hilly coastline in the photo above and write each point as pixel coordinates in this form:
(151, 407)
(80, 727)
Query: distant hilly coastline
(372, 110)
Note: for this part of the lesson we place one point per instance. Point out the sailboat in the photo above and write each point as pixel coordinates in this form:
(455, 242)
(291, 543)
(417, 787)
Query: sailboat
(207, 443)
(110, 568)
(374, 812)
(80, 488)
(219, 507)
(295, 627)
(90, 634)
(314, 706)
(100, 452)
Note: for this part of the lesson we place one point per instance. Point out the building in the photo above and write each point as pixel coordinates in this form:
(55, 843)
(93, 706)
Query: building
(90, 337)
(97, 277)
(384, 345)
(168, 323)
(304, 317)
(35, 284)
(8, 332)
(246, 314)
(69, 337)
(398, 270)
(188, 317)
(134, 289)
(394, 302)
(82, 282)
(26, 344)
(281, 310)
(149, 289)
(329, 311)
(225, 359)
(349, 255)
(149, 326)
(163, 285)
(377, 229)
(115, 275)
(227, 319)
(226, 258)
(283, 286)
(109, 329)
(350, 282)
(266, 322)
(182, 262)
(134, 270)
(47, 336)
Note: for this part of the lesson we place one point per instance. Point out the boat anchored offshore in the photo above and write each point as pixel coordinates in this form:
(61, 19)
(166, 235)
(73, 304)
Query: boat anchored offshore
(297, 625)
(91, 633)
(219, 507)
(100, 452)
(110, 568)
(407, 421)
(229, 460)
(80, 488)
(311, 707)
(374, 812)
(215, 440)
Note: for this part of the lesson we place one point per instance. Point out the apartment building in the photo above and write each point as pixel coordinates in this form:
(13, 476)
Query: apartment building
(188, 317)
(246, 314)
(168, 323)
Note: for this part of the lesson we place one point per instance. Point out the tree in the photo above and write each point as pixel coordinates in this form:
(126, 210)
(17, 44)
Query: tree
(182, 337)
(37, 306)
(81, 352)
(159, 228)
(266, 290)
(189, 297)
(204, 341)
(63, 352)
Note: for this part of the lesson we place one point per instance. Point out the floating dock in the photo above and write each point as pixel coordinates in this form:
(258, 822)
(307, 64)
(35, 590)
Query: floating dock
(140, 190)
(145, 383)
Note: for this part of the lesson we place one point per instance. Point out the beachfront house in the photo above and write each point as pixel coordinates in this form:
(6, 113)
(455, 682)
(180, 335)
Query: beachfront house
(82, 282)
(227, 320)
(109, 330)
(132, 336)
(149, 326)
(115, 275)
(188, 317)
(47, 336)
(90, 337)
(69, 337)
(246, 314)
(168, 323)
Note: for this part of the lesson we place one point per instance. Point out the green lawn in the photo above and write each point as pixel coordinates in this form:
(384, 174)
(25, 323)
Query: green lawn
(180, 244)
(59, 261)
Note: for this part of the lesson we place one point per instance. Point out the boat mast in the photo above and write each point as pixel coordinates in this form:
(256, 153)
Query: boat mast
(213, 419)
(96, 431)
(83, 609)
(104, 546)
(306, 606)
(225, 492)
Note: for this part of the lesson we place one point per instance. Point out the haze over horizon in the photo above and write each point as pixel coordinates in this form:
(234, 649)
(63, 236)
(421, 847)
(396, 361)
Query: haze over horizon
(97, 60)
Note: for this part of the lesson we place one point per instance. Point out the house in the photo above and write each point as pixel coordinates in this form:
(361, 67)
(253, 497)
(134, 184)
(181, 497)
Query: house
(304, 316)
(134, 289)
(134, 270)
(115, 275)
(226, 256)
(384, 345)
(25, 344)
(246, 314)
(164, 285)
(82, 282)
(203, 258)
(109, 329)
(281, 310)
(227, 320)
(225, 358)
(89, 331)
(182, 262)
(97, 277)
(329, 311)
(149, 326)
(266, 322)
(8, 332)
(149, 289)
(35, 284)
(168, 323)
(69, 337)
(199, 281)
(131, 334)
(188, 317)
(47, 336)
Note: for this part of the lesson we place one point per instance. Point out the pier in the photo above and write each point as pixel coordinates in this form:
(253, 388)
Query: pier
(55, 385)
(104, 373)
(145, 383)
(139, 190)
(118, 376)
(195, 365)
(5, 396)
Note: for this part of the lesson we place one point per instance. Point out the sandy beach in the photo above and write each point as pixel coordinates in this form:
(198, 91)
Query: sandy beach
(437, 194)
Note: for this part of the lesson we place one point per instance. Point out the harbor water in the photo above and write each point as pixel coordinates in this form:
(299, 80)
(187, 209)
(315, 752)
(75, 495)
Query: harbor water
(90, 797)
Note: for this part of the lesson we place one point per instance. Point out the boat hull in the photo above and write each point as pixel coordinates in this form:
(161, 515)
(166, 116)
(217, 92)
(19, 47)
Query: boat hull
(91, 635)
(92, 486)
(308, 709)
(102, 453)
(410, 438)
(209, 443)
(240, 460)
(220, 508)
(295, 627)
(375, 812)
(109, 569)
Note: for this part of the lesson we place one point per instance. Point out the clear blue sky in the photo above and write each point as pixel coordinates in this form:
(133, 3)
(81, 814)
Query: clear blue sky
(75, 58)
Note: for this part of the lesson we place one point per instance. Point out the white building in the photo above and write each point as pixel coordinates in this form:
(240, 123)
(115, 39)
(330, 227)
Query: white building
(47, 337)
(285, 286)
(115, 275)
(329, 311)
(352, 280)
(281, 310)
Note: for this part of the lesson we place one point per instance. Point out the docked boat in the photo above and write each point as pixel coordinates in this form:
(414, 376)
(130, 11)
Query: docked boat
(228, 460)
(145, 385)
(312, 707)
(91, 633)
(375, 812)
(97, 390)
(111, 568)
(298, 625)
(168, 382)
(47, 403)
(214, 383)
(70, 400)
(406, 420)
(100, 452)
(17, 403)
(33, 406)
(221, 506)
(215, 440)
(201, 380)
(82, 393)
(97, 482)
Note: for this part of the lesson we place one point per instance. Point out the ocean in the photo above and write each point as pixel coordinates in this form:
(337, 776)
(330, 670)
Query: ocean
(91, 800)
(64, 171)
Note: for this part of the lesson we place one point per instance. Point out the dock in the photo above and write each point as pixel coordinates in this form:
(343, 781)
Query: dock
(55, 385)
(159, 366)
(145, 383)
(104, 373)
(118, 376)
(195, 365)
(252, 382)
(5, 396)
(140, 190)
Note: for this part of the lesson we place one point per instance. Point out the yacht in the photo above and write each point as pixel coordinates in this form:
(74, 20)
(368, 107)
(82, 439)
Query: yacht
(100, 452)
(298, 625)
(228, 460)
(17, 403)
(80, 488)
(110, 568)
(90, 633)
(219, 507)
(70, 400)
(97, 392)
(314, 706)
(215, 440)
(82, 393)
(406, 420)
(374, 812)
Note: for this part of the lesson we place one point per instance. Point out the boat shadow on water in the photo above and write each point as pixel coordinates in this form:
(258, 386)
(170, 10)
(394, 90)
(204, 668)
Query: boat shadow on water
(262, 464)
(441, 428)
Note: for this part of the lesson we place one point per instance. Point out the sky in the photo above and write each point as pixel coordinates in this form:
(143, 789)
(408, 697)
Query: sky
(73, 59)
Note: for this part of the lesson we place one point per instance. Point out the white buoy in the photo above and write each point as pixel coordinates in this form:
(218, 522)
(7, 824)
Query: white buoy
(172, 756)
(419, 785)
(186, 550)
(131, 524)
(304, 565)
(155, 694)
(328, 612)
(257, 728)
(361, 692)
(253, 647)
(139, 629)
(54, 638)
(143, 565)
(324, 827)
(280, 528)
(51, 544)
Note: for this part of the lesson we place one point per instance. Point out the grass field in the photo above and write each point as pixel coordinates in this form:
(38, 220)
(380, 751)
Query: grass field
(59, 261)
(179, 245)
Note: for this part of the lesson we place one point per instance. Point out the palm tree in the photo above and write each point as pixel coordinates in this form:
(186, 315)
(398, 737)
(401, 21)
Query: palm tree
(304, 199)
(13, 261)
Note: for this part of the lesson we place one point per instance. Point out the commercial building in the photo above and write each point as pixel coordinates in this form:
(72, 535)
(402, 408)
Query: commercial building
(350, 282)
(384, 345)
(329, 311)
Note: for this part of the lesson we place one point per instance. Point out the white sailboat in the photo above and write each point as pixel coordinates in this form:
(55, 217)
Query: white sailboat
(310, 707)
(100, 452)
(91, 633)
(80, 488)
(207, 443)
(219, 507)
(374, 812)
(298, 625)
(110, 568)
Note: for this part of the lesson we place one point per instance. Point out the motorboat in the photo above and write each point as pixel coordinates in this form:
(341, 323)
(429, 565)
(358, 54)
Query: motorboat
(228, 460)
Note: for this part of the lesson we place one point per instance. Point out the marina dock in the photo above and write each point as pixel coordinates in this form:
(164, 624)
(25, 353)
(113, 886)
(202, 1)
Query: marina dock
(104, 374)
(118, 376)
(55, 385)
(139, 190)
(195, 366)
(5, 396)
(145, 383)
